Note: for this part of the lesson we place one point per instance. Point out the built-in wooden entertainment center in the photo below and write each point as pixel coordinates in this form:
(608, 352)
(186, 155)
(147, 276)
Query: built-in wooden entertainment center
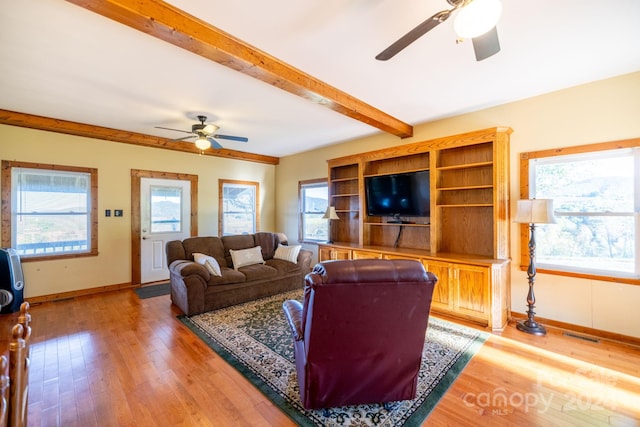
(465, 241)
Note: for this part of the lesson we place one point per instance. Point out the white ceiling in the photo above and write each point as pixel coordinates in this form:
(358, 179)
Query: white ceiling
(62, 61)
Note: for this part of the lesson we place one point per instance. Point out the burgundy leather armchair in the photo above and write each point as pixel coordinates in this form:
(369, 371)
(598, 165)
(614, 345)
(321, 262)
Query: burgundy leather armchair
(359, 332)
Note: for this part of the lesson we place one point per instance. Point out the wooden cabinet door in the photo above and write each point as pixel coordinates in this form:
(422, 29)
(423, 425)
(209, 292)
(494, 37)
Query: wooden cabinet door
(356, 254)
(442, 292)
(338, 253)
(324, 253)
(328, 253)
(471, 291)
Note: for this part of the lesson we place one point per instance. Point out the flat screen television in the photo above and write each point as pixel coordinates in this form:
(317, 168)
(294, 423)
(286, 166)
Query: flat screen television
(398, 195)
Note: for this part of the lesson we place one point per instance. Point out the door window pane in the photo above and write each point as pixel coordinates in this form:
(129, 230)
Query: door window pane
(166, 209)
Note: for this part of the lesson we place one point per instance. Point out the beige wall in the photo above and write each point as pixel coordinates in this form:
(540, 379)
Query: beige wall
(602, 111)
(114, 162)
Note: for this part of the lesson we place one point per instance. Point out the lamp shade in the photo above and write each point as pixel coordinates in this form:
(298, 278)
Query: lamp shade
(535, 211)
(476, 18)
(203, 143)
(330, 213)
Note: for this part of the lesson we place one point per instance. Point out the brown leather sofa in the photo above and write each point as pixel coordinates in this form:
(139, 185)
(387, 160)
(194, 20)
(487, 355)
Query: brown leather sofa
(360, 330)
(195, 290)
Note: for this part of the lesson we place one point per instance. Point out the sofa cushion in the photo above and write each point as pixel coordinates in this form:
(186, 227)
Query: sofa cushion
(236, 242)
(209, 245)
(283, 267)
(209, 262)
(258, 272)
(287, 253)
(244, 257)
(268, 242)
(228, 276)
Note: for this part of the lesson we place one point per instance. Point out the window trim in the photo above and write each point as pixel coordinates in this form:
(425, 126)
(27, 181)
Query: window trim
(5, 218)
(524, 194)
(221, 183)
(301, 184)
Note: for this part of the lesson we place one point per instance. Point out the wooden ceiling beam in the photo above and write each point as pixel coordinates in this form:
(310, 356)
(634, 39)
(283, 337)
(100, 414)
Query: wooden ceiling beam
(168, 23)
(13, 118)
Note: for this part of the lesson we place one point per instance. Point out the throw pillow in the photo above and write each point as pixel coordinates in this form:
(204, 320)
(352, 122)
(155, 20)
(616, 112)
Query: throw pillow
(287, 253)
(209, 262)
(244, 257)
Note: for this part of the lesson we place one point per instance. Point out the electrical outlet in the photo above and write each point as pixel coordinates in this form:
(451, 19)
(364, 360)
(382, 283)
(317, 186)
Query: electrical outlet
(117, 212)
(107, 212)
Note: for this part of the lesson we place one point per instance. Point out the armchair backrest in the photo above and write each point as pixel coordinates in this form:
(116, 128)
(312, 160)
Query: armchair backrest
(364, 323)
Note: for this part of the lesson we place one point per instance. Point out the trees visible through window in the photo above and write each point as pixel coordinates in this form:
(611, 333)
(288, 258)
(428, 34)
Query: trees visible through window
(596, 202)
(53, 209)
(238, 207)
(312, 202)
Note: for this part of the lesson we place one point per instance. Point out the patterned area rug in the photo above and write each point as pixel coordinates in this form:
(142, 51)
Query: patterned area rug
(256, 340)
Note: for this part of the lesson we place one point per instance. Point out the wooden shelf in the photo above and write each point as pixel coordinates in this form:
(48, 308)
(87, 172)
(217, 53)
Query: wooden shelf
(483, 205)
(464, 166)
(396, 172)
(469, 187)
(469, 218)
(387, 224)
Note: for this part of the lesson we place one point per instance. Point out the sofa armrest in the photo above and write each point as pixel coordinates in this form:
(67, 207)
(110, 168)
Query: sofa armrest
(184, 268)
(293, 311)
(304, 260)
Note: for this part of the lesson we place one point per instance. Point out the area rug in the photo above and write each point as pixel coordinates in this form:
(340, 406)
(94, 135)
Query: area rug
(256, 340)
(153, 290)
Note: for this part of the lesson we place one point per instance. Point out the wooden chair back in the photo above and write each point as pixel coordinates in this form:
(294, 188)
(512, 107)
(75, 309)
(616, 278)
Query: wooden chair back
(14, 387)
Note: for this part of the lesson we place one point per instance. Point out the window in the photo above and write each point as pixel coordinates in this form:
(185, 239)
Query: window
(596, 202)
(238, 207)
(312, 201)
(166, 209)
(52, 210)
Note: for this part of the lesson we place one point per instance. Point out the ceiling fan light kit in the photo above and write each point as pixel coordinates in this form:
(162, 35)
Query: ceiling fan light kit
(202, 143)
(477, 18)
(205, 135)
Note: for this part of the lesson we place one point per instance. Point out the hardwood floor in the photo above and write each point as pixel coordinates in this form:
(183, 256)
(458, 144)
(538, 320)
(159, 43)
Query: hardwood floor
(115, 360)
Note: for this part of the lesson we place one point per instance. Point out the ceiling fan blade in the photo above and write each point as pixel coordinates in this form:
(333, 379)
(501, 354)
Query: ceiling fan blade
(177, 130)
(183, 138)
(215, 144)
(232, 138)
(414, 34)
(486, 45)
(209, 129)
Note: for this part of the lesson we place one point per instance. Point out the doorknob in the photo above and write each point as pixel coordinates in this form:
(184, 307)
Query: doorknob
(144, 238)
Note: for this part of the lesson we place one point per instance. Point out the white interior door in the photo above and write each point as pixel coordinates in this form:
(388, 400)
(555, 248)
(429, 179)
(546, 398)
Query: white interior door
(165, 206)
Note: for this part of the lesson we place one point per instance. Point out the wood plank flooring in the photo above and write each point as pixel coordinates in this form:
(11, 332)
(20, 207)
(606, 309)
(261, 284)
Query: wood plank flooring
(115, 360)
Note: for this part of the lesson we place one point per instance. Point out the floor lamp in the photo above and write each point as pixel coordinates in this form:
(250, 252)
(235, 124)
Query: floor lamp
(532, 212)
(330, 214)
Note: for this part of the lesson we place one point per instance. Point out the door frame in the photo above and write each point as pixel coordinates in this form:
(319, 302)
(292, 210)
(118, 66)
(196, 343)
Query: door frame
(136, 234)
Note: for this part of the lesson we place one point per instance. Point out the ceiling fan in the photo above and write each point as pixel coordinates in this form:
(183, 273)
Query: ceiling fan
(205, 135)
(476, 19)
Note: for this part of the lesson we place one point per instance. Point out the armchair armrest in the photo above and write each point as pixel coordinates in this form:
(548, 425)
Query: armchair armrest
(293, 312)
